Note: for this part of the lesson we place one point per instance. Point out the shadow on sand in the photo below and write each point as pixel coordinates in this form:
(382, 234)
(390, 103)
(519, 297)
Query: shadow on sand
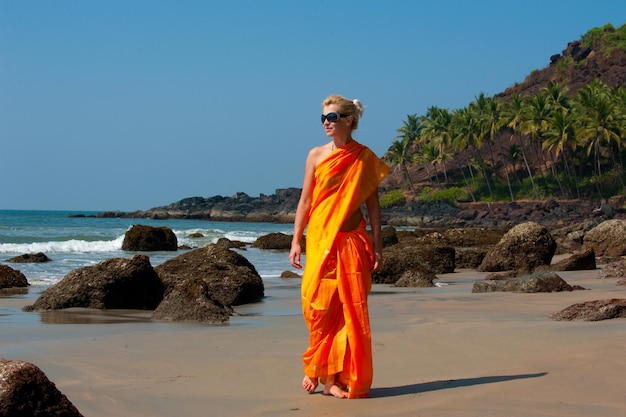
(452, 383)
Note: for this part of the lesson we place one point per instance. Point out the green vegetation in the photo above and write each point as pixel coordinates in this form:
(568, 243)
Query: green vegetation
(605, 39)
(392, 198)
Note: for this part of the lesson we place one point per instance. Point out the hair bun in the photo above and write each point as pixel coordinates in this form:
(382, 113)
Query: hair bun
(358, 105)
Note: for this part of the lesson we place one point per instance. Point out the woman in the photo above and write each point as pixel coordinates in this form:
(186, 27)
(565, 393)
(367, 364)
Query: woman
(339, 178)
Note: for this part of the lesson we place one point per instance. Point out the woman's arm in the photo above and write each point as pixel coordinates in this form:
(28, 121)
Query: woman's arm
(373, 211)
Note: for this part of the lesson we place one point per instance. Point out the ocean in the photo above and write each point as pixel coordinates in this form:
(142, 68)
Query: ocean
(73, 239)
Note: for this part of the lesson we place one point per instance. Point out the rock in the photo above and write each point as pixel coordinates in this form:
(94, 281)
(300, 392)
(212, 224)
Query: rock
(227, 243)
(593, 310)
(581, 261)
(148, 238)
(607, 238)
(542, 281)
(389, 236)
(195, 235)
(469, 258)
(524, 247)
(230, 277)
(289, 274)
(397, 261)
(25, 391)
(30, 258)
(113, 283)
(275, 240)
(615, 269)
(189, 300)
(10, 277)
(418, 277)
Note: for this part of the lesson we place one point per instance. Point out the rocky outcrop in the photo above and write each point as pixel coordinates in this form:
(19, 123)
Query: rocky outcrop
(542, 281)
(580, 261)
(26, 391)
(279, 207)
(30, 258)
(10, 278)
(417, 277)
(607, 238)
(523, 248)
(593, 310)
(231, 279)
(113, 283)
(149, 238)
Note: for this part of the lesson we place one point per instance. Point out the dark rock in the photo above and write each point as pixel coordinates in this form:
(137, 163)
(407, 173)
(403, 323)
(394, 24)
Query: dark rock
(593, 310)
(422, 276)
(389, 236)
(274, 241)
(524, 247)
(542, 281)
(30, 258)
(149, 238)
(607, 238)
(230, 277)
(190, 300)
(289, 274)
(25, 391)
(397, 261)
(231, 244)
(10, 277)
(113, 283)
(195, 235)
(582, 261)
(469, 258)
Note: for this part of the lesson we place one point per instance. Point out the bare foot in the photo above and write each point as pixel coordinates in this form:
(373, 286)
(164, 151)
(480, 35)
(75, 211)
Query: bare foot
(309, 384)
(335, 390)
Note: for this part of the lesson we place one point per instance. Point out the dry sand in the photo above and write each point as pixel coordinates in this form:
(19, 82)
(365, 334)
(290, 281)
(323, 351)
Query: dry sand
(437, 352)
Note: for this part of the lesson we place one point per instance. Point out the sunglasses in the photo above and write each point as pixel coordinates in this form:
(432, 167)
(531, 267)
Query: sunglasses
(333, 117)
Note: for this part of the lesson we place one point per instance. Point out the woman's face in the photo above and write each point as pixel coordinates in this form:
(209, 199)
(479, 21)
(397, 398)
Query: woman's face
(338, 128)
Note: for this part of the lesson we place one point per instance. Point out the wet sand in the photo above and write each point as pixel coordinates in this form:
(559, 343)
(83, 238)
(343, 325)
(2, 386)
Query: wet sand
(437, 352)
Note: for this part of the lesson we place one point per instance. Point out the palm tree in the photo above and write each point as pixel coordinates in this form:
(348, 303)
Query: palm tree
(600, 126)
(399, 156)
(436, 128)
(514, 116)
(560, 138)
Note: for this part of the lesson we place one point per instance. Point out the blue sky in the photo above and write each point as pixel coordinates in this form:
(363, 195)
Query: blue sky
(128, 105)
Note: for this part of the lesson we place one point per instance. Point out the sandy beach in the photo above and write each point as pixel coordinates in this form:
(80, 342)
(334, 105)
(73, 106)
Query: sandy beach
(437, 352)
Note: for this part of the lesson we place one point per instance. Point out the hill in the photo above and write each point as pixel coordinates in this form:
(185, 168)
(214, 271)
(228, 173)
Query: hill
(599, 56)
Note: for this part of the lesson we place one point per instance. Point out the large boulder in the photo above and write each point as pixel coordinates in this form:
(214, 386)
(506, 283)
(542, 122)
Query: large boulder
(593, 310)
(10, 277)
(113, 283)
(230, 277)
(542, 281)
(26, 391)
(608, 238)
(149, 238)
(399, 262)
(524, 247)
(190, 300)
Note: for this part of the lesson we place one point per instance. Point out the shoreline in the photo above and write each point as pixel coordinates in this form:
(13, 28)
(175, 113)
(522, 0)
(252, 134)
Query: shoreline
(437, 351)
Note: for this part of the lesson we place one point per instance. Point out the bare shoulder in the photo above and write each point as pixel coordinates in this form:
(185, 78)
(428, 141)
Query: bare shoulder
(318, 153)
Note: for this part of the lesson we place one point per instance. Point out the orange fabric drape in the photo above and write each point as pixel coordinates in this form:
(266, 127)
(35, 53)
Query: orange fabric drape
(337, 277)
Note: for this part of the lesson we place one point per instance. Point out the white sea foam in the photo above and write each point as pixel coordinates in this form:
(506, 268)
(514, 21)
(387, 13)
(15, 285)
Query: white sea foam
(81, 246)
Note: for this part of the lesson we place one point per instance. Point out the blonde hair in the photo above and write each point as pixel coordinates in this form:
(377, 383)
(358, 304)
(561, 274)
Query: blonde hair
(353, 108)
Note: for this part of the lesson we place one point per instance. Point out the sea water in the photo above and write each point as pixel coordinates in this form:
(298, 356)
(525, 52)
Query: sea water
(74, 240)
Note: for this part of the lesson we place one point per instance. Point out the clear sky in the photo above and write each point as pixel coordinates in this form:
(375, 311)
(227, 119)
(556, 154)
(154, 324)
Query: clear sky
(128, 105)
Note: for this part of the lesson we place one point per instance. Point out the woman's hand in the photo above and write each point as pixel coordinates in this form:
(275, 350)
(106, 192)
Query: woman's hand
(294, 255)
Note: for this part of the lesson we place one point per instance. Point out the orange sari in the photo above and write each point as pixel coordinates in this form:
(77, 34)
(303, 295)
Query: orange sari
(337, 275)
